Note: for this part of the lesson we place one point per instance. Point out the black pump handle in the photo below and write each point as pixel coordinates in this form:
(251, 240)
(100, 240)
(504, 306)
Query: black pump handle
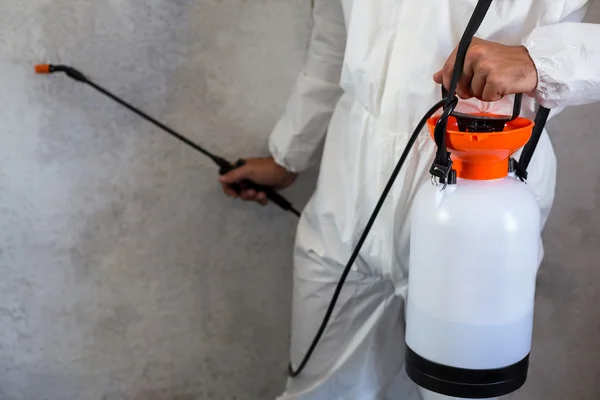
(515, 113)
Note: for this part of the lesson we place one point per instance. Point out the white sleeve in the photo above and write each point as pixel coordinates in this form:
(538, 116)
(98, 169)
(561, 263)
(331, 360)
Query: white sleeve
(567, 58)
(297, 136)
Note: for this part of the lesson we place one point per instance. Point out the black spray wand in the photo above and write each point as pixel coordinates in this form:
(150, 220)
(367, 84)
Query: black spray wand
(224, 165)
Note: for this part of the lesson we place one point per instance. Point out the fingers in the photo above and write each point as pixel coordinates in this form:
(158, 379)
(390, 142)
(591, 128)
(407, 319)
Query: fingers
(447, 70)
(443, 76)
(229, 191)
(491, 91)
(259, 171)
(253, 195)
(247, 195)
(438, 77)
(261, 198)
(477, 85)
(464, 88)
(236, 175)
(491, 71)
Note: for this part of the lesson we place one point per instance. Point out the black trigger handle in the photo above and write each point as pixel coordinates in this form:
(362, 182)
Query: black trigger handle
(245, 184)
(516, 112)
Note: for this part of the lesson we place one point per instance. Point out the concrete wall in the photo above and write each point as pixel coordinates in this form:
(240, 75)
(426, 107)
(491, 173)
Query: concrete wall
(126, 275)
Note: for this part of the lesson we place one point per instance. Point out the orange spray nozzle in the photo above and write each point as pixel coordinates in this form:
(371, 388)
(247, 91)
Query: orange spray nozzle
(42, 69)
(70, 71)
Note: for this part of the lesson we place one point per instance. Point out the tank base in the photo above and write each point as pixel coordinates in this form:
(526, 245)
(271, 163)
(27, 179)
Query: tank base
(465, 383)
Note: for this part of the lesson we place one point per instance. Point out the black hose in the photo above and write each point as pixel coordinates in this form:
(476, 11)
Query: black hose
(448, 103)
(361, 241)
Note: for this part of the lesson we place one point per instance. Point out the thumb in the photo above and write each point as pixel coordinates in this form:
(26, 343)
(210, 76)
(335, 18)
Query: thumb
(236, 175)
(438, 77)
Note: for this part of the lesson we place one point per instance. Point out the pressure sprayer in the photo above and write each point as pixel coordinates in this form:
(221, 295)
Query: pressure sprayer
(474, 249)
(474, 244)
(474, 252)
(474, 257)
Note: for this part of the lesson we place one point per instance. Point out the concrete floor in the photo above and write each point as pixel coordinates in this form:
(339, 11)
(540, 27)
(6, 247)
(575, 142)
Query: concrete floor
(128, 276)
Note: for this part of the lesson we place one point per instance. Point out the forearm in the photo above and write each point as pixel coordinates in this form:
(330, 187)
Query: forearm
(567, 58)
(300, 131)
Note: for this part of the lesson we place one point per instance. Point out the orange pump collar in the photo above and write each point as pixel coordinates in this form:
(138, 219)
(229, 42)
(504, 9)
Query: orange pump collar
(484, 156)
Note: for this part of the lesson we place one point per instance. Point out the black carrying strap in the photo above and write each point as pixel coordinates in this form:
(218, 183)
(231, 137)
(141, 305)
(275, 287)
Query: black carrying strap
(521, 166)
(442, 165)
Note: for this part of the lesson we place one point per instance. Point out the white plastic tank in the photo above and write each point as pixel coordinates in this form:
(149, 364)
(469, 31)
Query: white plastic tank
(473, 263)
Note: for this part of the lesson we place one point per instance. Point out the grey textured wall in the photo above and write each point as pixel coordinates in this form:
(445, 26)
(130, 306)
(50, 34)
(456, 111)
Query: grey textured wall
(126, 275)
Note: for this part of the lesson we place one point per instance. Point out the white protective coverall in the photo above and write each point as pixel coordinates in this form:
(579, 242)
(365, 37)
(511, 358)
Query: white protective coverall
(367, 82)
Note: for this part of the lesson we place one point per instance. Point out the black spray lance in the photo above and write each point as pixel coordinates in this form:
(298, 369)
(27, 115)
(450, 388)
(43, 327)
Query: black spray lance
(224, 165)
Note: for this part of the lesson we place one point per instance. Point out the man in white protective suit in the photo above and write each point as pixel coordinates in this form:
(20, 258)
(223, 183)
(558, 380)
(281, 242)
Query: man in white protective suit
(374, 68)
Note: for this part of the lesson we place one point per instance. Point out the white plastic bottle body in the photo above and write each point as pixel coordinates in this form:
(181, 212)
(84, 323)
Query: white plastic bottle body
(473, 263)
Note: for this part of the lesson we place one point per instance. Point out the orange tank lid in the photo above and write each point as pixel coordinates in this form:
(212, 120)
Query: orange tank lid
(484, 156)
